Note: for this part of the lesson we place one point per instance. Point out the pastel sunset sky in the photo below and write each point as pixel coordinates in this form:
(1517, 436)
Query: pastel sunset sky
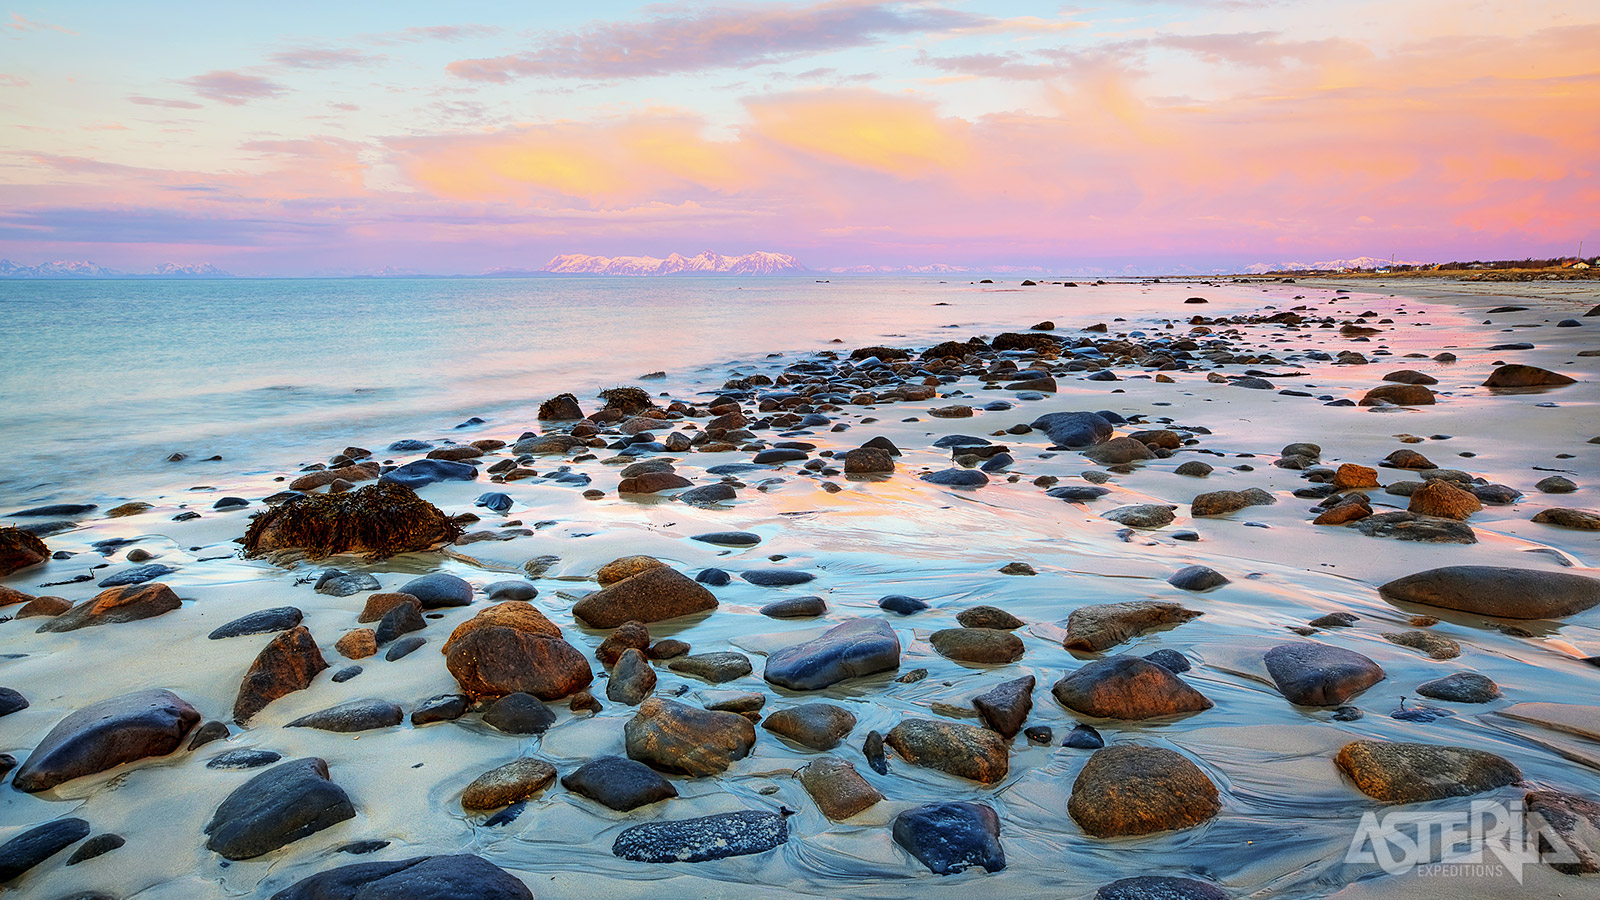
(298, 138)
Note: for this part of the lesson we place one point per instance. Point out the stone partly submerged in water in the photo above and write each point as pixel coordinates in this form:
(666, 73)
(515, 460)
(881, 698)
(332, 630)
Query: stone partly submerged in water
(847, 650)
(1074, 430)
(684, 740)
(281, 805)
(380, 520)
(1500, 591)
(1311, 674)
(701, 839)
(1091, 629)
(952, 837)
(1160, 887)
(653, 595)
(1127, 687)
(463, 877)
(1130, 790)
(838, 789)
(1396, 772)
(1520, 376)
(619, 783)
(965, 751)
(105, 735)
(128, 603)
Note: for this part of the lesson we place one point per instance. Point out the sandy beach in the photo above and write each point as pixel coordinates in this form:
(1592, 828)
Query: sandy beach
(1015, 520)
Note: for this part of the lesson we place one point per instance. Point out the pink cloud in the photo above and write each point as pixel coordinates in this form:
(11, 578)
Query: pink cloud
(18, 23)
(165, 102)
(233, 88)
(321, 58)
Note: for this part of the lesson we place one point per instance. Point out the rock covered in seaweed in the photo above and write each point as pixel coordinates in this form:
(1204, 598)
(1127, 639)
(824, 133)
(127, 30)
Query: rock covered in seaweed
(379, 520)
(19, 550)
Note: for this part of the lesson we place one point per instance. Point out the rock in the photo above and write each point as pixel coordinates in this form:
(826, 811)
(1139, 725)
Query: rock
(547, 443)
(502, 591)
(1406, 526)
(1408, 459)
(849, 650)
(1312, 674)
(630, 635)
(1443, 499)
(380, 520)
(137, 575)
(105, 735)
(1169, 659)
(561, 407)
(1119, 451)
(1006, 706)
(795, 608)
(461, 877)
(667, 648)
(965, 751)
(1410, 376)
(378, 605)
(1091, 629)
(817, 726)
(285, 803)
(1074, 430)
(324, 477)
(244, 759)
(205, 734)
(957, 478)
(900, 604)
(632, 680)
(1141, 515)
(725, 665)
(1575, 821)
(653, 483)
(37, 844)
(353, 716)
(403, 619)
(705, 838)
(1580, 519)
(1220, 503)
(1399, 395)
(1519, 376)
(1127, 687)
(682, 740)
(1160, 887)
(358, 644)
(653, 595)
(1084, 737)
(335, 583)
(1461, 687)
(1194, 468)
(99, 845)
(442, 708)
(519, 713)
(1131, 790)
(625, 567)
(977, 645)
(988, 617)
(838, 789)
(1078, 493)
(505, 785)
(517, 615)
(868, 461)
(1556, 484)
(439, 590)
(423, 472)
(493, 660)
(129, 603)
(1353, 477)
(43, 606)
(1018, 568)
(19, 550)
(728, 538)
(1436, 646)
(1497, 591)
(619, 783)
(1197, 578)
(951, 837)
(11, 701)
(287, 664)
(1414, 773)
(709, 493)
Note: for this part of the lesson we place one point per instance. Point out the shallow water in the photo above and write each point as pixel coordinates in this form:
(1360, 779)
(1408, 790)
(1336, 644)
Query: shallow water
(1287, 815)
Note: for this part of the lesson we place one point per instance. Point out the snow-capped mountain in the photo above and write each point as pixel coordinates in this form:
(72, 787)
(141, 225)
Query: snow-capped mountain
(1332, 265)
(758, 263)
(64, 268)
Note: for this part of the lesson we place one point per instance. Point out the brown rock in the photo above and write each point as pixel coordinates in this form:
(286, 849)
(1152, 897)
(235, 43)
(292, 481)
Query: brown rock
(1576, 820)
(838, 789)
(632, 680)
(497, 660)
(1091, 629)
(1580, 519)
(517, 615)
(1353, 477)
(133, 508)
(505, 785)
(1127, 687)
(378, 605)
(965, 751)
(44, 606)
(1409, 459)
(1220, 503)
(19, 550)
(1437, 646)
(988, 617)
(1006, 706)
(1399, 395)
(989, 646)
(650, 596)
(868, 461)
(1410, 376)
(358, 644)
(1128, 790)
(1353, 508)
(1443, 499)
(287, 664)
(683, 740)
(625, 567)
(1414, 773)
(630, 636)
(127, 603)
(818, 726)
(353, 474)
(12, 596)
(380, 519)
(652, 483)
(1517, 376)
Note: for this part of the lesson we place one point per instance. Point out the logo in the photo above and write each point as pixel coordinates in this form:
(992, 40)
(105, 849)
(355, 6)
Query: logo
(1490, 839)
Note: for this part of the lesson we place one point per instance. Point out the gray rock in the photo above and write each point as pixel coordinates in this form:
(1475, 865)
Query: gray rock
(705, 838)
(1497, 591)
(1197, 578)
(439, 590)
(285, 803)
(619, 783)
(266, 621)
(461, 877)
(848, 650)
(1311, 674)
(1461, 687)
(717, 667)
(355, 715)
(105, 735)
(951, 837)
(38, 844)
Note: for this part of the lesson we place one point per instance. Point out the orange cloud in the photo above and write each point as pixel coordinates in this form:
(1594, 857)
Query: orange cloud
(898, 136)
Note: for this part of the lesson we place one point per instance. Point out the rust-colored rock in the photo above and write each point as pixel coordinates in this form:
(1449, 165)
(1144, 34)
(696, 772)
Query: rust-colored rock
(630, 636)
(625, 567)
(1129, 790)
(1353, 477)
(684, 740)
(287, 664)
(653, 483)
(494, 661)
(1518, 376)
(19, 550)
(1443, 499)
(1351, 509)
(838, 789)
(868, 461)
(378, 605)
(12, 596)
(1127, 687)
(44, 606)
(505, 785)
(518, 615)
(127, 603)
(965, 751)
(358, 644)
(1395, 772)
(355, 474)
(379, 520)
(1399, 395)
(650, 596)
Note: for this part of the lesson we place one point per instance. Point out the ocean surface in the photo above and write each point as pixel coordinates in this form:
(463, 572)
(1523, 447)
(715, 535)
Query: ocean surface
(104, 379)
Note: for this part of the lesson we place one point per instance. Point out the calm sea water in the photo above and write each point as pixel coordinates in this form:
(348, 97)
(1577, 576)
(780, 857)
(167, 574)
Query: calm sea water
(104, 379)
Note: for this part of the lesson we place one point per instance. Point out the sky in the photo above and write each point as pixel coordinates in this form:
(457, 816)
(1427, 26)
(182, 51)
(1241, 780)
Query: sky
(298, 139)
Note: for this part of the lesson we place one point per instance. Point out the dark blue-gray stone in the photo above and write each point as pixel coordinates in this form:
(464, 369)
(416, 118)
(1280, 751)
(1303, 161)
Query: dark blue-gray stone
(501, 591)
(1078, 493)
(709, 493)
(356, 715)
(335, 583)
(705, 838)
(443, 708)
(848, 650)
(619, 783)
(410, 446)
(462, 877)
(424, 472)
(997, 463)
(1074, 430)
(1319, 674)
(403, 647)
(138, 575)
(494, 501)
(285, 803)
(714, 577)
(403, 619)
(38, 844)
(1084, 737)
(732, 468)
(346, 673)
(231, 503)
(439, 590)
(952, 837)
(280, 618)
(776, 577)
(778, 455)
(728, 538)
(1462, 687)
(107, 734)
(243, 759)
(11, 701)
(961, 440)
(1197, 578)
(1169, 659)
(519, 713)
(54, 510)
(957, 478)
(795, 608)
(1160, 887)
(901, 604)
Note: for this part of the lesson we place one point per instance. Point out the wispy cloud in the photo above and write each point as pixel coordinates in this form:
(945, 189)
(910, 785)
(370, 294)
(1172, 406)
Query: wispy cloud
(18, 23)
(233, 88)
(434, 33)
(321, 58)
(12, 80)
(164, 102)
(716, 38)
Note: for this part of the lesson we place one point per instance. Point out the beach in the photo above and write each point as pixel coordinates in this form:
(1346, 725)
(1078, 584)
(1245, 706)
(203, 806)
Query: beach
(1235, 390)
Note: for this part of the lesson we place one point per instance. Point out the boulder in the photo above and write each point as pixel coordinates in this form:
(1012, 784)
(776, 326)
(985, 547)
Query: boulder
(619, 783)
(37, 844)
(1461, 687)
(287, 664)
(494, 660)
(652, 595)
(1399, 395)
(1160, 887)
(632, 680)
(628, 636)
(507, 784)
(352, 716)
(463, 877)
(1519, 376)
(1575, 821)
(519, 713)
(1119, 451)
(716, 667)
(1130, 790)
(423, 472)
(988, 617)
(1500, 591)
(380, 520)
(1091, 629)
(701, 839)
(1394, 772)
(1074, 430)
(683, 740)
(19, 550)
(518, 615)
(128, 603)
(1579, 519)
(266, 621)
(965, 751)
(653, 483)
(561, 407)
(816, 726)
(1220, 503)
(1312, 674)
(105, 735)
(983, 646)
(1353, 477)
(956, 478)
(868, 461)
(625, 567)
(849, 650)
(1127, 687)
(1141, 515)
(951, 837)
(1006, 706)
(1443, 499)
(283, 804)
(355, 474)
(439, 590)
(1408, 526)
(1197, 579)
(838, 789)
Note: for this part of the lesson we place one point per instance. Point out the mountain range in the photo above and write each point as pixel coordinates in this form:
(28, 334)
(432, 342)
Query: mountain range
(707, 263)
(1332, 265)
(69, 268)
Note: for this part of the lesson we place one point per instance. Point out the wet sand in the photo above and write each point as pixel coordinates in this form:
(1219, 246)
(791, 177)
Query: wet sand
(1287, 814)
